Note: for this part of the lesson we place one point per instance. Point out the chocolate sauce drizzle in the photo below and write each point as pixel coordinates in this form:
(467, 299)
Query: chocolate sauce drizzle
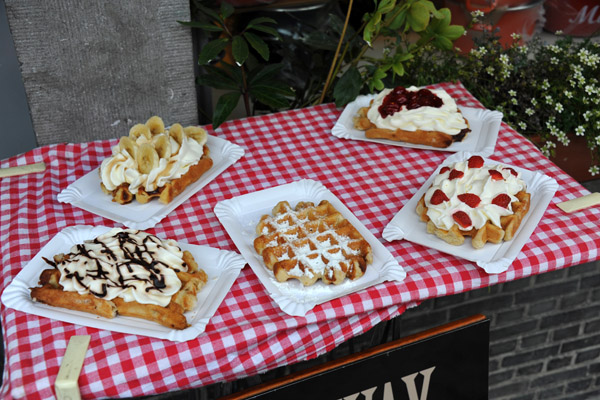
(134, 255)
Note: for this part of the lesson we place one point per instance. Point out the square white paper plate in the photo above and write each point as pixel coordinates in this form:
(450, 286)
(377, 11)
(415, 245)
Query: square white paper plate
(493, 258)
(86, 193)
(484, 124)
(241, 214)
(222, 268)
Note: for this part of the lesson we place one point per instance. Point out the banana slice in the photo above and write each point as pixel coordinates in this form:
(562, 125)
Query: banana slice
(196, 133)
(140, 130)
(156, 125)
(176, 132)
(162, 144)
(147, 158)
(129, 145)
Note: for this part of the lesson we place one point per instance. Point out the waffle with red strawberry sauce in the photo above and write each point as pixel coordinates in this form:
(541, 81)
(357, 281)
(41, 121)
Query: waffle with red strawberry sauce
(413, 115)
(468, 198)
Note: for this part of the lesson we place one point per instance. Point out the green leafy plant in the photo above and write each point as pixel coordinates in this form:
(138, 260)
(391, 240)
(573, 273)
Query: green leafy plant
(244, 76)
(405, 26)
(324, 71)
(546, 91)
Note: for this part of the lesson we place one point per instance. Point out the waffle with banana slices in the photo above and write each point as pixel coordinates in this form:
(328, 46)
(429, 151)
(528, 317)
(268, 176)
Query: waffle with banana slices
(155, 162)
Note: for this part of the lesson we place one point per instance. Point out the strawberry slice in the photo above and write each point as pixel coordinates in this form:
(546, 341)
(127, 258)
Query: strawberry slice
(438, 197)
(444, 169)
(462, 218)
(470, 199)
(502, 200)
(512, 171)
(475, 162)
(496, 175)
(456, 174)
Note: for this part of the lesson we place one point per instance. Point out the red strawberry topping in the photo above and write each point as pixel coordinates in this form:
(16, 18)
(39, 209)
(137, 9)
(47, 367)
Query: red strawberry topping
(462, 218)
(502, 200)
(512, 171)
(444, 169)
(438, 197)
(470, 199)
(455, 174)
(475, 162)
(496, 175)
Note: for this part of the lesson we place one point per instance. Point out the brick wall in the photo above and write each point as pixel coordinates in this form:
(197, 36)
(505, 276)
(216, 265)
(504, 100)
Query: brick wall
(544, 332)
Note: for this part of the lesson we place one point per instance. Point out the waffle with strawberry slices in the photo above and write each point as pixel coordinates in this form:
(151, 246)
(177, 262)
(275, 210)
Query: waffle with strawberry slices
(469, 198)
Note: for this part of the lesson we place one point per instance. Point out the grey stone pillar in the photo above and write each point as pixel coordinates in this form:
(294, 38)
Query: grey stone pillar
(93, 69)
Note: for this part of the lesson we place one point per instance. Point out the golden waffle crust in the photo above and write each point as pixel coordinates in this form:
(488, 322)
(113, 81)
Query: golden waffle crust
(436, 139)
(311, 243)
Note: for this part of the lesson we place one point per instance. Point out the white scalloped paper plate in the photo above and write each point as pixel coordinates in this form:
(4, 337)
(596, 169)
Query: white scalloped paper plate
(484, 124)
(221, 266)
(241, 214)
(493, 258)
(86, 193)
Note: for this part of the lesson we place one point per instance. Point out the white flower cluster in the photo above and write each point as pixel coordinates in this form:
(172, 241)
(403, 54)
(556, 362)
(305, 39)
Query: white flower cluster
(478, 52)
(587, 58)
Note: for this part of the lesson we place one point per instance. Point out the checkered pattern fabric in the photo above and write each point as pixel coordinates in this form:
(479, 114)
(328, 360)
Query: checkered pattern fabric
(249, 334)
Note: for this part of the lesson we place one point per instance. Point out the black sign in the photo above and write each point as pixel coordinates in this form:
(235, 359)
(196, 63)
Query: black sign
(446, 363)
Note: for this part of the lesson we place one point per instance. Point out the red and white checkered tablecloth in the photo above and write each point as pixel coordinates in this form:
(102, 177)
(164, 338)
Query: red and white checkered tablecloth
(249, 334)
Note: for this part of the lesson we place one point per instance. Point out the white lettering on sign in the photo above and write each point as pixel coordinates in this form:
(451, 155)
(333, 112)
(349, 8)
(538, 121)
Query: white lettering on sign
(409, 382)
(583, 15)
(367, 393)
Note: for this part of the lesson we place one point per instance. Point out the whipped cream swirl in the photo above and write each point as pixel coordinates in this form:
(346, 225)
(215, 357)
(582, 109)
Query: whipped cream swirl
(126, 263)
(477, 181)
(121, 167)
(446, 119)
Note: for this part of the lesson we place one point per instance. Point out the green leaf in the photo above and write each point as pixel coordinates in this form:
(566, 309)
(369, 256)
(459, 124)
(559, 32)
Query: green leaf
(211, 50)
(275, 87)
(260, 21)
(202, 25)
(376, 81)
(453, 32)
(431, 8)
(262, 73)
(258, 44)
(368, 32)
(418, 17)
(336, 24)
(240, 50)
(266, 29)
(218, 78)
(443, 43)
(210, 12)
(224, 107)
(269, 97)
(403, 57)
(445, 18)
(398, 68)
(320, 41)
(398, 21)
(386, 6)
(347, 87)
(226, 10)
